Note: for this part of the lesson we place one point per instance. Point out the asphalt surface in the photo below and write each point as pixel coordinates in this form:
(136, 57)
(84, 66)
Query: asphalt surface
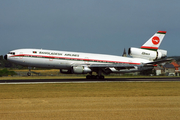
(31, 81)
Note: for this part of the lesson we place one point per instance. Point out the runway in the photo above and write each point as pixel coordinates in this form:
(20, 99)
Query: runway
(34, 81)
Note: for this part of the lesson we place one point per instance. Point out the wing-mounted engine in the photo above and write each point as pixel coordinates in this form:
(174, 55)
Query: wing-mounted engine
(147, 54)
(76, 70)
(81, 70)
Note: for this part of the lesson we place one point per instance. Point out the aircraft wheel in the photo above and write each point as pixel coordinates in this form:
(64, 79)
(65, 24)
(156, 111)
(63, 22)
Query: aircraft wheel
(93, 77)
(88, 77)
(29, 74)
(97, 77)
(101, 77)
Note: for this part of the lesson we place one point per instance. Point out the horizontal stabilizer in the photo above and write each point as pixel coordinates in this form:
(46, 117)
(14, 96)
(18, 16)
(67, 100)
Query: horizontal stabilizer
(158, 62)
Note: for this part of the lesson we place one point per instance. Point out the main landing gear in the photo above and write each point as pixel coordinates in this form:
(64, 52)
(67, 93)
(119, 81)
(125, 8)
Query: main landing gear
(30, 73)
(94, 77)
(98, 76)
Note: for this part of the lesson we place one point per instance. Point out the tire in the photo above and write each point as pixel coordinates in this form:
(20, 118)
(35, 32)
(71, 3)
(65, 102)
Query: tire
(28, 74)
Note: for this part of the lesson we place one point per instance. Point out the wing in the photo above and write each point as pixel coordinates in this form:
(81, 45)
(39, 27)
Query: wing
(117, 66)
(123, 68)
(111, 68)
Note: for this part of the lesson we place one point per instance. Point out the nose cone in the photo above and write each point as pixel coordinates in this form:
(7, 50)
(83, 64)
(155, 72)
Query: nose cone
(5, 57)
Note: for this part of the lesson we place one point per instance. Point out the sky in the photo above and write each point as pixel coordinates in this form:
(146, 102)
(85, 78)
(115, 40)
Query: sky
(92, 26)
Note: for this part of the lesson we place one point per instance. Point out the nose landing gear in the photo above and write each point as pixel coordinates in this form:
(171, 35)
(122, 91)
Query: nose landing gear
(29, 73)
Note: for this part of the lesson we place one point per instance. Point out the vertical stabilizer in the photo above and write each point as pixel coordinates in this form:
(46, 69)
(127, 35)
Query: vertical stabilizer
(154, 42)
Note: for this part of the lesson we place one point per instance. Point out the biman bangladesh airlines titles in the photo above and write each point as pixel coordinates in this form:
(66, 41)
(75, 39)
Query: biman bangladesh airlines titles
(143, 58)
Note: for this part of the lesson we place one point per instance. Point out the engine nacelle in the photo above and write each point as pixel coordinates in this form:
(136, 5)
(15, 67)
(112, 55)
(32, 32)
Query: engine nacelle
(76, 70)
(81, 70)
(163, 52)
(147, 54)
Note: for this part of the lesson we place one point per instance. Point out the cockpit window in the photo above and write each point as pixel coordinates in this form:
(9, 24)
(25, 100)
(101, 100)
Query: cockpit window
(12, 53)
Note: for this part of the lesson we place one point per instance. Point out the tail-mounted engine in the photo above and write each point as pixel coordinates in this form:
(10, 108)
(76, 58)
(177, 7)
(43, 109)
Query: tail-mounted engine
(147, 54)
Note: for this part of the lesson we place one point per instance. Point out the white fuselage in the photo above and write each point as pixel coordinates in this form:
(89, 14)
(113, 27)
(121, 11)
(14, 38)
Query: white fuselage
(64, 59)
(83, 63)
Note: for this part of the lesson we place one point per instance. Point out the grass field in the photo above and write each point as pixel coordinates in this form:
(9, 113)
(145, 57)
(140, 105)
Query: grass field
(108, 100)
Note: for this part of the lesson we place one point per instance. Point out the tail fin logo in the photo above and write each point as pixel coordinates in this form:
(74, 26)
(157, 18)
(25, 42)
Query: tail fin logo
(155, 40)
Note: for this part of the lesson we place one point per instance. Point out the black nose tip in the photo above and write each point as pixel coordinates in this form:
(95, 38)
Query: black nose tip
(5, 57)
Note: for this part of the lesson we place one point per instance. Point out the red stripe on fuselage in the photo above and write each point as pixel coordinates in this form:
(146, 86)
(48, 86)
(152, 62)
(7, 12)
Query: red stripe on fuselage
(68, 58)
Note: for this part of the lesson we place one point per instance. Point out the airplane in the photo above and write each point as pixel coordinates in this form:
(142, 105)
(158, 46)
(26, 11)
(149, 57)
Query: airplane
(141, 59)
